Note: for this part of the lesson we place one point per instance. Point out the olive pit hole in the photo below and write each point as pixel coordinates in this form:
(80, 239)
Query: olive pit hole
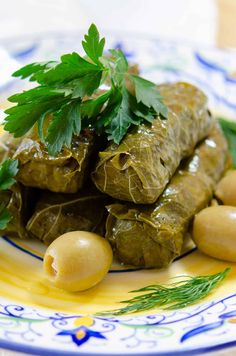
(51, 267)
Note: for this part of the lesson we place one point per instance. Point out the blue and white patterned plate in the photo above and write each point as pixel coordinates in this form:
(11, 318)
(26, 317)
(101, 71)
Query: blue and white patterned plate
(37, 318)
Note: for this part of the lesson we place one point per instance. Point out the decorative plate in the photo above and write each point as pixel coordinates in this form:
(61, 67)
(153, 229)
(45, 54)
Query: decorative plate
(37, 318)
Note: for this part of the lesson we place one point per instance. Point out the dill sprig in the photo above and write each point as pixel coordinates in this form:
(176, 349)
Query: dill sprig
(172, 296)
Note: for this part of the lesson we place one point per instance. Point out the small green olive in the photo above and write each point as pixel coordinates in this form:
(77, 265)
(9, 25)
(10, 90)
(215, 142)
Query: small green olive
(214, 232)
(77, 260)
(226, 189)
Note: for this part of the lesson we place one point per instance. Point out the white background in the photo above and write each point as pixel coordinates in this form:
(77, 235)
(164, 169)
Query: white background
(191, 20)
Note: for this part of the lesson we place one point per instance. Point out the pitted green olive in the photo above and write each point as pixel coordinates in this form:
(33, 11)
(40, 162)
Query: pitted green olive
(77, 260)
(226, 189)
(214, 232)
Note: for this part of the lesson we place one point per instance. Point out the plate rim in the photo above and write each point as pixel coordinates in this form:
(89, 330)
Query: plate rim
(14, 346)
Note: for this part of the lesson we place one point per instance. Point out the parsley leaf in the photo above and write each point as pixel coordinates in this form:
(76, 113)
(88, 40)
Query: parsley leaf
(229, 130)
(141, 111)
(87, 84)
(30, 106)
(92, 107)
(120, 116)
(31, 70)
(106, 116)
(120, 66)
(5, 217)
(71, 66)
(92, 46)
(8, 170)
(65, 123)
(147, 93)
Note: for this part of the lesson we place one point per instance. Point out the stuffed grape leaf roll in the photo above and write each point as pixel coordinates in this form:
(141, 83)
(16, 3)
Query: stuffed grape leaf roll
(140, 167)
(56, 214)
(152, 235)
(65, 173)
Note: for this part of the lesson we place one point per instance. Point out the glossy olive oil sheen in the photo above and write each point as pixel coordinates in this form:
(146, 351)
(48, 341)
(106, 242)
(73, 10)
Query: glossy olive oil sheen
(22, 279)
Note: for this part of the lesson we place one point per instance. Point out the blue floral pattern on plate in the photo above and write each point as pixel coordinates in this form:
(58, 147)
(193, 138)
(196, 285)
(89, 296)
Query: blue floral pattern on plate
(163, 333)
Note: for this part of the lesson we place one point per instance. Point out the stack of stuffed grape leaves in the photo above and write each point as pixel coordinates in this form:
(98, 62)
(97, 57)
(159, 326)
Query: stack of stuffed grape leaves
(149, 186)
(152, 235)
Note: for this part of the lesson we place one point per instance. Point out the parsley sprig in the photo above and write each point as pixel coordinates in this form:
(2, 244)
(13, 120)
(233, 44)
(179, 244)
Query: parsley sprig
(8, 171)
(229, 130)
(69, 90)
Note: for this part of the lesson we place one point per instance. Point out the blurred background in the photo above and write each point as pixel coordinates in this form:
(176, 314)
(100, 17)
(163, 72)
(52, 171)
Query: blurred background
(204, 21)
(181, 19)
(156, 33)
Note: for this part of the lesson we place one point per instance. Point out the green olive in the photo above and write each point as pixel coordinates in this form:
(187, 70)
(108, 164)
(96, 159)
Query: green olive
(214, 232)
(77, 260)
(226, 189)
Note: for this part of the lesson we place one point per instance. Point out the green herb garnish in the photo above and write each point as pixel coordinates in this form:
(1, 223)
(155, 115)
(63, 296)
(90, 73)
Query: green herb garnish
(229, 129)
(174, 296)
(70, 91)
(8, 171)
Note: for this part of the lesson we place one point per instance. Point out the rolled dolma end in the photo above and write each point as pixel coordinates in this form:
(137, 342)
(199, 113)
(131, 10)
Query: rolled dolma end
(152, 235)
(56, 214)
(65, 173)
(139, 169)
